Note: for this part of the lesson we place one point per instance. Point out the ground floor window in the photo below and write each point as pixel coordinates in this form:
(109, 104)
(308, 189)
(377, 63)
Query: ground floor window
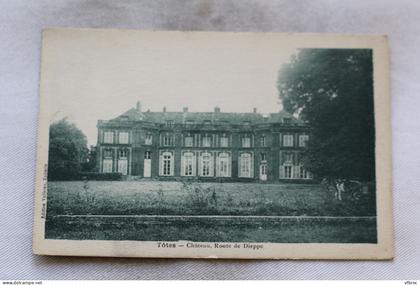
(167, 164)
(263, 169)
(245, 165)
(224, 165)
(188, 160)
(287, 171)
(123, 166)
(303, 174)
(107, 165)
(206, 165)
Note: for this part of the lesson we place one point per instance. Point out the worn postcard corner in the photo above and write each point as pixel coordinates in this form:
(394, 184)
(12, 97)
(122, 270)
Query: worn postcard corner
(213, 145)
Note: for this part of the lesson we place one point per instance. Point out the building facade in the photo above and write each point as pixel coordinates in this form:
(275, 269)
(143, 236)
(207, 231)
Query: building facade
(203, 145)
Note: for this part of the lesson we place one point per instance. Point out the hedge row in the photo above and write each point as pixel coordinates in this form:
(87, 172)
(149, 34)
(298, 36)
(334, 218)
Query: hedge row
(100, 176)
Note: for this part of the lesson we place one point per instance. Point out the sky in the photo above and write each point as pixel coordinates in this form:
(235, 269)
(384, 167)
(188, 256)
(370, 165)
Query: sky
(88, 76)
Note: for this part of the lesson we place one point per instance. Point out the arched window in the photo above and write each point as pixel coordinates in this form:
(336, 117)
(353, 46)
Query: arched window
(206, 168)
(188, 164)
(224, 165)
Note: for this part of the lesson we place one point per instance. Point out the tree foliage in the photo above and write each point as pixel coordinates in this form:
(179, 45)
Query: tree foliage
(67, 151)
(332, 90)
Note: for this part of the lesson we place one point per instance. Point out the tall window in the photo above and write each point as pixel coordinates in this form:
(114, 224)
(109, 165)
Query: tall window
(206, 141)
(169, 123)
(188, 141)
(246, 142)
(123, 137)
(224, 165)
(148, 140)
(167, 140)
(107, 161)
(206, 167)
(167, 164)
(303, 174)
(288, 140)
(287, 171)
(108, 137)
(107, 165)
(287, 166)
(188, 164)
(303, 140)
(224, 141)
(122, 161)
(263, 141)
(245, 165)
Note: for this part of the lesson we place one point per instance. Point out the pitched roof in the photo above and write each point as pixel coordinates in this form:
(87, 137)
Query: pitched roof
(201, 117)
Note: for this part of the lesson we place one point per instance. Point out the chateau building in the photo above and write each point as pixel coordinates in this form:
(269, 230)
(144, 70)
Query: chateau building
(203, 145)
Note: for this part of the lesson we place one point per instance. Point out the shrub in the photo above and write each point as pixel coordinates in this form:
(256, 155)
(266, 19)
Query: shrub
(100, 176)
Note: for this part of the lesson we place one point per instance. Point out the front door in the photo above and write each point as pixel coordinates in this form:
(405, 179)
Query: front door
(147, 171)
(263, 172)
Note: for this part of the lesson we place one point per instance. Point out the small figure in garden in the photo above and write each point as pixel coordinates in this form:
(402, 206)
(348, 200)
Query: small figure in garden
(339, 186)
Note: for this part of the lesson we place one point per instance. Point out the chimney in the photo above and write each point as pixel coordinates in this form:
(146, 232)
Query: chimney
(255, 110)
(185, 109)
(216, 109)
(138, 106)
(164, 109)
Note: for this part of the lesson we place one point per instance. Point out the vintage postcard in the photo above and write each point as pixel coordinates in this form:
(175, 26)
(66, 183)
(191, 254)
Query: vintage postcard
(213, 145)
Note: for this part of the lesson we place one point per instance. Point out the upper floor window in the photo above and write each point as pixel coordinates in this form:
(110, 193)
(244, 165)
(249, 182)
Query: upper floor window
(288, 140)
(147, 155)
(287, 120)
(123, 137)
(188, 141)
(108, 153)
(108, 137)
(247, 123)
(224, 141)
(189, 122)
(246, 142)
(288, 158)
(169, 123)
(207, 122)
(206, 141)
(263, 141)
(123, 153)
(167, 140)
(303, 140)
(263, 157)
(148, 140)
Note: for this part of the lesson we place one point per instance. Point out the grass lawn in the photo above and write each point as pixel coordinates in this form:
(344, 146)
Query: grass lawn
(295, 230)
(67, 199)
(175, 198)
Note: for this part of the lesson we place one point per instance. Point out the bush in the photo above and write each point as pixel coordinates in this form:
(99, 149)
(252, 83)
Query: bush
(100, 176)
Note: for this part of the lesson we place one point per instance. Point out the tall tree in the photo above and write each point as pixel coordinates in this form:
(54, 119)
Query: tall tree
(332, 90)
(67, 151)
